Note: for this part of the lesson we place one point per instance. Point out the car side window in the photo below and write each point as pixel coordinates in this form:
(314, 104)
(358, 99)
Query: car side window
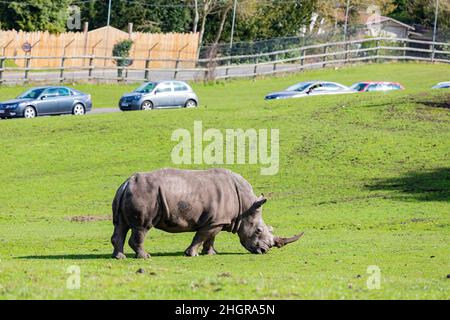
(164, 87)
(330, 87)
(51, 92)
(315, 88)
(63, 92)
(372, 87)
(179, 87)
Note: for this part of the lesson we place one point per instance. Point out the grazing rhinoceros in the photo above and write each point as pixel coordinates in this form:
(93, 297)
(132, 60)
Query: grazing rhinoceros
(204, 201)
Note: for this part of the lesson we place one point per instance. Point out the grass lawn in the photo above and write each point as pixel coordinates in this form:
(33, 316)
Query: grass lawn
(366, 176)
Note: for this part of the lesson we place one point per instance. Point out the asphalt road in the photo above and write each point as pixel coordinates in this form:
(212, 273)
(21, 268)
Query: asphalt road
(103, 110)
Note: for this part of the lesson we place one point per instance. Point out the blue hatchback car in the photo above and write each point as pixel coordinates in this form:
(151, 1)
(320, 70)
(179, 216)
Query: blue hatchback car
(50, 100)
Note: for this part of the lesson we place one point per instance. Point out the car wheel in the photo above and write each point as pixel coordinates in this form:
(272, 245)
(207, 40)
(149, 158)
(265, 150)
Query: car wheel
(78, 110)
(147, 105)
(190, 104)
(29, 112)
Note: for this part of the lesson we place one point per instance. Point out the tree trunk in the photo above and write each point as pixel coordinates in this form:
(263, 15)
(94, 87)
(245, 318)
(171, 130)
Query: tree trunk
(222, 23)
(206, 11)
(196, 17)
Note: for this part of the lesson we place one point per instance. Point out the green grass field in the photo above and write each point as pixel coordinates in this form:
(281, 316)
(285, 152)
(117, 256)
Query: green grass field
(366, 176)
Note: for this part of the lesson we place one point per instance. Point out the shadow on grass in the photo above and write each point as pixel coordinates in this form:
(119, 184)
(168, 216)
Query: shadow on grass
(430, 185)
(108, 256)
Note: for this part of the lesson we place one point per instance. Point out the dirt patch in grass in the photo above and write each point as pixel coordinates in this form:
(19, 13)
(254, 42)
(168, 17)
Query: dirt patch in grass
(89, 218)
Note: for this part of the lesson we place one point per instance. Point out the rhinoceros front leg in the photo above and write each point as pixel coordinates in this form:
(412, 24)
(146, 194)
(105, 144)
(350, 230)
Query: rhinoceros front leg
(208, 246)
(136, 242)
(202, 236)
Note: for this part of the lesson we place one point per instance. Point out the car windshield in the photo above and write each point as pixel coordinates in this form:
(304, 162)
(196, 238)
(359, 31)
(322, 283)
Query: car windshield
(146, 87)
(299, 86)
(31, 94)
(359, 86)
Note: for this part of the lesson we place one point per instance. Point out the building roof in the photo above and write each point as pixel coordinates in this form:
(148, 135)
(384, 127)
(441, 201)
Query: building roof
(363, 18)
(103, 29)
(383, 19)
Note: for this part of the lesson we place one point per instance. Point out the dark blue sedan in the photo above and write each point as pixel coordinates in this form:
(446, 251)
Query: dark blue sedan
(50, 100)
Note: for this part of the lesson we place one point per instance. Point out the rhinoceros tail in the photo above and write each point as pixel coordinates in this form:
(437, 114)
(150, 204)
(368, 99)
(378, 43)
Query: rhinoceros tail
(117, 202)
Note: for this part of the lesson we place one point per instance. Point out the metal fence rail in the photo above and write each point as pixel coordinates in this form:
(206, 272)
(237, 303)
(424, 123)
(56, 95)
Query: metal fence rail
(96, 68)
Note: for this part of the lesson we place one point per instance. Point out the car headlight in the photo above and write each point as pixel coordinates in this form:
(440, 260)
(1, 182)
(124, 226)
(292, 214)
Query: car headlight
(137, 97)
(11, 106)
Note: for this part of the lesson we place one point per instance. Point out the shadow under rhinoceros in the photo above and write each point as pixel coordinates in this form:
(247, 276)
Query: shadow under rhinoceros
(108, 256)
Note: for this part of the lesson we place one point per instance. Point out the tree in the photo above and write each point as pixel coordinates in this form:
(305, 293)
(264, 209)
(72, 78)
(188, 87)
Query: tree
(422, 12)
(34, 15)
(122, 50)
(147, 16)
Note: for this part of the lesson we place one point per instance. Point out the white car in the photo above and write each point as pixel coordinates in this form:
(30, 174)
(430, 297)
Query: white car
(310, 88)
(442, 85)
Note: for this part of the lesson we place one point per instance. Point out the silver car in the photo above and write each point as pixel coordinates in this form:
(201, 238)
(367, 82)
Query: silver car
(442, 85)
(161, 94)
(50, 100)
(310, 88)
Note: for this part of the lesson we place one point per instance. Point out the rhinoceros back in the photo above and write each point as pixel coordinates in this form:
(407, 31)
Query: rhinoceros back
(186, 200)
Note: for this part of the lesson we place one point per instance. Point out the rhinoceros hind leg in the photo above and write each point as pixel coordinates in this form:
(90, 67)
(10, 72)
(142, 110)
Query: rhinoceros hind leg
(136, 242)
(118, 240)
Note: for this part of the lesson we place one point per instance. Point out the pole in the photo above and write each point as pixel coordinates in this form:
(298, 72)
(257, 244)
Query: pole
(346, 20)
(107, 31)
(109, 13)
(435, 27)
(232, 24)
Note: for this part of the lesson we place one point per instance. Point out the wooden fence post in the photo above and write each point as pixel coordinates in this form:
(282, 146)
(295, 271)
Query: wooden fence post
(324, 59)
(226, 71)
(347, 47)
(377, 51)
(275, 63)
(2, 66)
(177, 63)
(27, 67)
(176, 68)
(146, 73)
(86, 37)
(404, 48)
(255, 69)
(147, 62)
(432, 51)
(91, 67)
(302, 58)
(61, 71)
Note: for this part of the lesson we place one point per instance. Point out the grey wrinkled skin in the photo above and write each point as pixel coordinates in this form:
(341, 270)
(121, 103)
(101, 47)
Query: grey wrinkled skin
(201, 201)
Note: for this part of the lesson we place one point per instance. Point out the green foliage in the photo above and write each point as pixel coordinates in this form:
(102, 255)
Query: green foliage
(122, 49)
(35, 15)
(422, 12)
(271, 20)
(364, 175)
(154, 16)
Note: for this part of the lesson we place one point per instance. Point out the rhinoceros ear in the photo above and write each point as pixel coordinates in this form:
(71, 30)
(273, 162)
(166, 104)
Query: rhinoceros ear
(258, 203)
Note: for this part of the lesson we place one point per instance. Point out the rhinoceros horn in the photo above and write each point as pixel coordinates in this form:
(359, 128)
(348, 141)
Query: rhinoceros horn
(280, 242)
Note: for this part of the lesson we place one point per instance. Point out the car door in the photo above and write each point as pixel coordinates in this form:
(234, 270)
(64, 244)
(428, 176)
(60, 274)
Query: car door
(163, 95)
(48, 101)
(65, 101)
(315, 89)
(180, 93)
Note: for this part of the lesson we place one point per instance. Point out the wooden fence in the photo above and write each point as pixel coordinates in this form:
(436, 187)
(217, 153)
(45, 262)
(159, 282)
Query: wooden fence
(284, 61)
(98, 42)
